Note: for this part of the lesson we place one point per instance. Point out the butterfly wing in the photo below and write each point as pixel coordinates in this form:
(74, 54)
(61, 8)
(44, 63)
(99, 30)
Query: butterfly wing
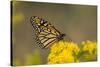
(46, 34)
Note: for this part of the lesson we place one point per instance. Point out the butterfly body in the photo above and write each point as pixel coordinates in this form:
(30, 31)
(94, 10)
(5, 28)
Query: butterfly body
(46, 34)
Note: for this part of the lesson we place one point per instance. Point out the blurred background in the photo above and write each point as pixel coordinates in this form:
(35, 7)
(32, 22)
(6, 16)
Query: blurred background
(78, 22)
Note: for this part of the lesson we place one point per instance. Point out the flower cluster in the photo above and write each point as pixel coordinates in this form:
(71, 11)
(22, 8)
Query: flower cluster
(62, 52)
(89, 46)
(89, 50)
(67, 52)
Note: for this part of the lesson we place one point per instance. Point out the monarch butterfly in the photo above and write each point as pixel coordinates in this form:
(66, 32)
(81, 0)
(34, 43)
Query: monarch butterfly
(46, 34)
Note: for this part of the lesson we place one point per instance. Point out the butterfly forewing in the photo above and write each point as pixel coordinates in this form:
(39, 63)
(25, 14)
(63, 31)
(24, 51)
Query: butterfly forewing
(46, 34)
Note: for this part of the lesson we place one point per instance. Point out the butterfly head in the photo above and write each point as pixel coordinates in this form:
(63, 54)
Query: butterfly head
(61, 36)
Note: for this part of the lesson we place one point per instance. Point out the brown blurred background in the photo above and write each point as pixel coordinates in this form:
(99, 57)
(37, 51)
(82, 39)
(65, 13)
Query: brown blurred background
(78, 22)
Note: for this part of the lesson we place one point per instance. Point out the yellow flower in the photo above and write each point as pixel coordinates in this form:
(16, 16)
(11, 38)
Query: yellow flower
(72, 47)
(63, 52)
(89, 46)
(66, 56)
(89, 50)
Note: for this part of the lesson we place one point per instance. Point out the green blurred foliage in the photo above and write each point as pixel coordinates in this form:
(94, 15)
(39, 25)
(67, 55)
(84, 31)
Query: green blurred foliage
(17, 18)
(30, 59)
(85, 57)
(33, 59)
(16, 62)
